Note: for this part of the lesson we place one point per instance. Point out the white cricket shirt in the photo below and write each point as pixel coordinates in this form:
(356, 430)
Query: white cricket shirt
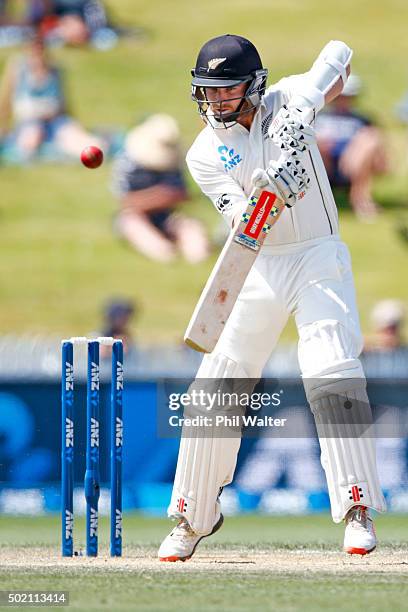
(222, 162)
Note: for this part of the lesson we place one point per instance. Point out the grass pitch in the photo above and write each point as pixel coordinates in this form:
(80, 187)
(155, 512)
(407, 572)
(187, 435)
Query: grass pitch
(258, 563)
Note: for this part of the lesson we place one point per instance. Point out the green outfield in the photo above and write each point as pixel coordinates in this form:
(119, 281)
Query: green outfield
(59, 259)
(258, 563)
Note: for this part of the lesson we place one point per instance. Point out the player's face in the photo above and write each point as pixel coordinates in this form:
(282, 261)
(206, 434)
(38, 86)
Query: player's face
(225, 100)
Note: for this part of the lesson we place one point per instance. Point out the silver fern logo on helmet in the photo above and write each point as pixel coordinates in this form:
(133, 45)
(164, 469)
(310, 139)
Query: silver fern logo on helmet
(213, 63)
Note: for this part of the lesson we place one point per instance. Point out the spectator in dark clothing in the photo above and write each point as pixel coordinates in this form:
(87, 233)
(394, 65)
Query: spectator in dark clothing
(352, 148)
(148, 180)
(73, 22)
(118, 314)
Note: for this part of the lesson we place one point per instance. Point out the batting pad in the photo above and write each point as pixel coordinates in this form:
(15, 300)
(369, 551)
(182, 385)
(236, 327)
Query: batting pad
(347, 440)
(207, 455)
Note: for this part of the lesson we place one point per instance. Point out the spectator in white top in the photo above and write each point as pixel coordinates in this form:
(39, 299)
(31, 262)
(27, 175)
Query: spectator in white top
(148, 180)
(387, 318)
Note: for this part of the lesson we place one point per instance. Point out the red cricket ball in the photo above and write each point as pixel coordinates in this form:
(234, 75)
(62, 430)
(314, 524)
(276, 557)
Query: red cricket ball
(92, 157)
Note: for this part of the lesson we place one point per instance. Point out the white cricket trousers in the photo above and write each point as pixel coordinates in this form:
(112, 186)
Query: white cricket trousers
(313, 282)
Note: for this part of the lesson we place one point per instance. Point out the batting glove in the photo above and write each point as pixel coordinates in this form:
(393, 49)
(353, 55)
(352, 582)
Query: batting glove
(287, 178)
(289, 130)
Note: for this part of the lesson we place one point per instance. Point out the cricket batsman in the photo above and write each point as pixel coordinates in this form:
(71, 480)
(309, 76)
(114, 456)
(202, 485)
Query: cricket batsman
(257, 136)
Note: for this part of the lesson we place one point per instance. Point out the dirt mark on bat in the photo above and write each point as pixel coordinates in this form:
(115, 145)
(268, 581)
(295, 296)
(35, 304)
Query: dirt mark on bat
(222, 296)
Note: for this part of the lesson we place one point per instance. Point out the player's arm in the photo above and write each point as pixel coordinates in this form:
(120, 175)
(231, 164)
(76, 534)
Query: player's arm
(305, 95)
(225, 193)
(326, 78)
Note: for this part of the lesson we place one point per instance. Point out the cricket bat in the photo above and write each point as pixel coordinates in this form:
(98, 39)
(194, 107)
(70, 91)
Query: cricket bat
(231, 270)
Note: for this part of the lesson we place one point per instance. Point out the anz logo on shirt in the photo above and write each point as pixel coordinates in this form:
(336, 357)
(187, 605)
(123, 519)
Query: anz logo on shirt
(229, 158)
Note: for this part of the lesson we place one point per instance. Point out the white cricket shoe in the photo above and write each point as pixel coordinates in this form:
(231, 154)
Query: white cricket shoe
(359, 538)
(181, 543)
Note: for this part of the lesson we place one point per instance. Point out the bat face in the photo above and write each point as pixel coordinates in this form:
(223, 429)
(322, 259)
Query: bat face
(231, 270)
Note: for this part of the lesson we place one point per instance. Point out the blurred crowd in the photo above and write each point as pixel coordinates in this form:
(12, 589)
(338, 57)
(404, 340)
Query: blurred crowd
(62, 22)
(148, 176)
(34, 114)
(36, 120)
(37, 124)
